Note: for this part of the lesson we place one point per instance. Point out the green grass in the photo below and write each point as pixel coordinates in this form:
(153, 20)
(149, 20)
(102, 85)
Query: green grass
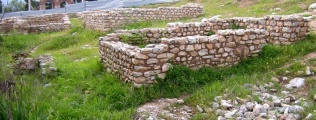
(226, 9)
(155, 23)
(83, 90)
(109, 98)
(231, 8)
(253, 71)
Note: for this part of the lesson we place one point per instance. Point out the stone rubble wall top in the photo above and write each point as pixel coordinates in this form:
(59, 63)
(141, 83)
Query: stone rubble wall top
(36, 24)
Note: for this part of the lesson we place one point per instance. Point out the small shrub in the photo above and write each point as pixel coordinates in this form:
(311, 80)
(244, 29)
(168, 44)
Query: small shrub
(311, 61)
(1, 40)
(235, 26)
(133, 39)
(257, 99)
(12, 107)
(280, 71)
(210, 33)
(306, 15)
(296, 67)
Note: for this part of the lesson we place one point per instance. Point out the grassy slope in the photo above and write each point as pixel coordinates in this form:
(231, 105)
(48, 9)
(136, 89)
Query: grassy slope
(82, 90)
(229, 8)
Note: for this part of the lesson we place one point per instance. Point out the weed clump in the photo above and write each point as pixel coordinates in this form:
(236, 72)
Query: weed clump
(61, 42)
(210, 33)
(1, 40)
(134, 39)
(235, 26)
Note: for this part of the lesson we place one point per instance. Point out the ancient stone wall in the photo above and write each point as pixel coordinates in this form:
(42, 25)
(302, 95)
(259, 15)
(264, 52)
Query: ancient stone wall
(282, 29)
(188, 44)
(6, 25)
(106, 20)
(140, 65)
(36, 24)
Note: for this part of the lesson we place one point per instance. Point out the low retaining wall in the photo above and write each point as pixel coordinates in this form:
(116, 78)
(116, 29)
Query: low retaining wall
(282, 29)
(36, 24)
(106, 20)
(140, 65)
(187, 44)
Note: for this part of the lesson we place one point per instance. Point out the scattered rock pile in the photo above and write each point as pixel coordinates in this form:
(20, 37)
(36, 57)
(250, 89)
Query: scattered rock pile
(36, 24)
(263, 104)
(312, 7)
(44, 62)
(27, 64)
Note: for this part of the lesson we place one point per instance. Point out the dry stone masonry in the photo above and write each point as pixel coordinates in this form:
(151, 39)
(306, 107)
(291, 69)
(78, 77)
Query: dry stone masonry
(106, 20)
(282, 29)
(189, 44)
(35, 24)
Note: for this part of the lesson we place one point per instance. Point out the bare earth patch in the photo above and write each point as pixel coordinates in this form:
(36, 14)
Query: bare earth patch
(164, 108)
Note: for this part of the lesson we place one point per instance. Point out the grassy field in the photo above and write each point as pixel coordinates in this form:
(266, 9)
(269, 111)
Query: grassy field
(82, 90)
(231, 8)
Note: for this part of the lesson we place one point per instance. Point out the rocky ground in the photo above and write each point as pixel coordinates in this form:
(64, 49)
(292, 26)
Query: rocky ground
(270, 102)
(265, 102)
(164, 109)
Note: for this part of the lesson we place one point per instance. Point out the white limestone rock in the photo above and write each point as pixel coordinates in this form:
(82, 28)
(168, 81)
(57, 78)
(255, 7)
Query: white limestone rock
(296, 83)
(309, 117)
(312, 7)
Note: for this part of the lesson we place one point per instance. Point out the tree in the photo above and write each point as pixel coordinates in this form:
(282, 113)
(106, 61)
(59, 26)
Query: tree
(34, 4)
(14, 6)
(0, 6)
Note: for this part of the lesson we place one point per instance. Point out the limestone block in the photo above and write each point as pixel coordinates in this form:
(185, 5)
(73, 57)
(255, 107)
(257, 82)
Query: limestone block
(141, 68)
(203, 52)
(182, 53)
(175, 50)
(286, 29)
(139, 80)
(166, 67)
(137, 74)
(141, 56)
(152, 61)
(190, 48)
(252, 37)
(231, 44)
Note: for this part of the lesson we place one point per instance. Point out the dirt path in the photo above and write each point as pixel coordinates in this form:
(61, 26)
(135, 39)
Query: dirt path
(164, 108)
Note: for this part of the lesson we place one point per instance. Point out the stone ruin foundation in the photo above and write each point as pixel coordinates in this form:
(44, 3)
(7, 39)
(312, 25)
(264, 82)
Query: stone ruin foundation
(191, 44)
(35, 24)
(105, 20)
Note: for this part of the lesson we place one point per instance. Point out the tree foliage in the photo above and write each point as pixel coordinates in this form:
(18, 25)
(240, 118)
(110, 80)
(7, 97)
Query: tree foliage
(0, 6)
(34, 4)
(14, 6)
